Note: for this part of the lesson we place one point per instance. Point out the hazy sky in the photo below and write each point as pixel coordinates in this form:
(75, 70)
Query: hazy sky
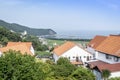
(63, 14)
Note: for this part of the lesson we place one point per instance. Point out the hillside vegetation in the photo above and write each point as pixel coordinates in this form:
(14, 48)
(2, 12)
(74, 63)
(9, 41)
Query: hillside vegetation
(32, 31)
(6, 35)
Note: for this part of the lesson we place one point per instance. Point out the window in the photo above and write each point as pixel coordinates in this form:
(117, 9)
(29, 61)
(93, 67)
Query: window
(80, 57)
(68, 57)
(90, 57)
(116, 59)
(77, 59)
(108, 56)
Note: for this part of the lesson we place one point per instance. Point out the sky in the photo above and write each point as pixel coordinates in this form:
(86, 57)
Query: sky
(63, 15)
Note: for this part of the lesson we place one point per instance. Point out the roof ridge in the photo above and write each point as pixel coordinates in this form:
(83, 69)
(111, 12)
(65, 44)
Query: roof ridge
(60, 50)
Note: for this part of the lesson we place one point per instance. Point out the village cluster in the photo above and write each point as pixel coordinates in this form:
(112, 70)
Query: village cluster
(102, 52)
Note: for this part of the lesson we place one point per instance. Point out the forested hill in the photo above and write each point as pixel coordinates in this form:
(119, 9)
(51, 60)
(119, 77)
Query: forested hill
(19, 28)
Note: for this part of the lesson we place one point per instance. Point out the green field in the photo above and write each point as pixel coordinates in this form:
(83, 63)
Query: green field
(51, 42)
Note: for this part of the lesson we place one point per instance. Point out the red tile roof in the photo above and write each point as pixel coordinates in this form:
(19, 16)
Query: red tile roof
(23, 47)
(102, 65)
(63, 48)
(96, 41)
(111, 45)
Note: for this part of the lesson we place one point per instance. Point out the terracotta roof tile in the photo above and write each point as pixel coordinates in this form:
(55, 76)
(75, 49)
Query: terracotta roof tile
(77, 63)
(63, 48)
(28, 44)
(110, 45)
(102, 65)
(23, 47)
(95, 42)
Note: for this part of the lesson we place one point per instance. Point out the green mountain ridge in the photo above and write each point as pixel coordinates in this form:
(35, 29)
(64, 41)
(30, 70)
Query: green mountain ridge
(20, 28)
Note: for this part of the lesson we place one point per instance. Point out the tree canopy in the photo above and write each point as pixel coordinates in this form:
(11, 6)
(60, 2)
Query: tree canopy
(15, 66)
(105, 74)
(83, 74)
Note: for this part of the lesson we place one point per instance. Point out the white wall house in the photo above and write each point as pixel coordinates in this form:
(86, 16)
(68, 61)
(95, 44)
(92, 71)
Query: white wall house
(0, 53)
(108, 56)
(115, 74)
(73, 52)
(32, 50)
(92, 51)
(94, 43)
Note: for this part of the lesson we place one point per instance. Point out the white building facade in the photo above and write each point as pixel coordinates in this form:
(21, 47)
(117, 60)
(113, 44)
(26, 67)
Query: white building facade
(75, 53)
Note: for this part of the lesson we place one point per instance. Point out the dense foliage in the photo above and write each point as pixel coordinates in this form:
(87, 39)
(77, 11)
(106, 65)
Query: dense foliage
(14, 66)
(105, 74)
(83, 74)
(31, 31)
(64, 70)
(7, 35)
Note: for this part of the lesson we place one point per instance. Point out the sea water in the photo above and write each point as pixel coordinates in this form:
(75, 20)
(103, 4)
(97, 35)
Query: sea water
(78, 34)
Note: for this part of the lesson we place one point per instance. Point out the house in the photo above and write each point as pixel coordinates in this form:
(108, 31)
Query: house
(94, 43)
(108, 57)
(23, 47)
(74, 52)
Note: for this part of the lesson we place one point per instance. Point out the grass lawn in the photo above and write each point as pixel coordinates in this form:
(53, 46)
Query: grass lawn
(42, 53)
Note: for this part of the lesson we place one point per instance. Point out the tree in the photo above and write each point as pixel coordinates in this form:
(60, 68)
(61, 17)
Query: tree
(105, 74)
(4, 40)
(15, 66)
(63, 61)
(63, 68)
(82, 74)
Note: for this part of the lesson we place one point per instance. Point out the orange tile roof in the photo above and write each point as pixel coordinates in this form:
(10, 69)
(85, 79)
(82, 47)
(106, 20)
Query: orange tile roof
(110, 45)
(96, 41)
(102, 65)
(23, 47)
(28, 44)
(77, 63)
(63, 48)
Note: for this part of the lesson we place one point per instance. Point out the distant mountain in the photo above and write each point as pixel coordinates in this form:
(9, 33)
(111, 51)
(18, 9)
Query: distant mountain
(19, 28)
